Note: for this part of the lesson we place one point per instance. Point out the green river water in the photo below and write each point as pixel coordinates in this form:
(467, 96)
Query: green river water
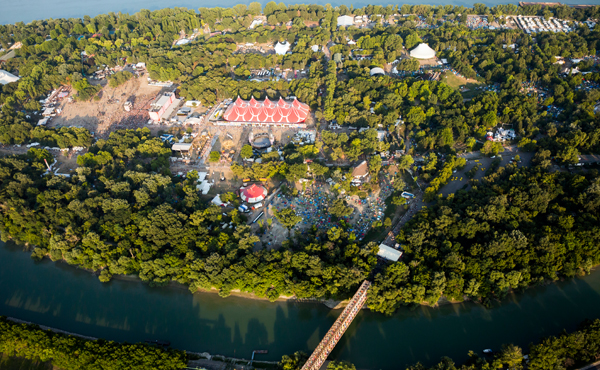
(63, 297)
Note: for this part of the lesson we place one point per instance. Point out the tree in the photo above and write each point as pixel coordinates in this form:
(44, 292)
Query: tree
(375, 165)
(246, 152)
(214, 156)
(339, 209)
(288, 218)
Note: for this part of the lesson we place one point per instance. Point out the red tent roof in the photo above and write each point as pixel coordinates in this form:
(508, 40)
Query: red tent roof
(266, 111)
(253, 193)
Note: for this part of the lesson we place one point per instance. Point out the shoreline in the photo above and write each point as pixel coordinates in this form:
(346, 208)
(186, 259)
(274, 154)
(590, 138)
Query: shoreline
(330, 303)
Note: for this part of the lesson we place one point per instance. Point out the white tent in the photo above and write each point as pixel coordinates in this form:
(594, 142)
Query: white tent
(377, 71)
(181, 147)
(315, 48)
(345, 20)
(7, 77)
(423, 51)
(217, 201)
(388, 253)
(204, 187)
(282, 48)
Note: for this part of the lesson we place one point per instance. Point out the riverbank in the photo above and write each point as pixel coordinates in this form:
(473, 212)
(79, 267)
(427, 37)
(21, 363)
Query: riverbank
(65, 297)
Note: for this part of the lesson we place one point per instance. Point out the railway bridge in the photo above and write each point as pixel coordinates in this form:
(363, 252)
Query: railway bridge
(338, 328)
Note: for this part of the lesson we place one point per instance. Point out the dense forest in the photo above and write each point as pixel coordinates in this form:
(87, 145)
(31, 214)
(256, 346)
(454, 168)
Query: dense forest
(122, 213)
(515, 228)
(68, 352)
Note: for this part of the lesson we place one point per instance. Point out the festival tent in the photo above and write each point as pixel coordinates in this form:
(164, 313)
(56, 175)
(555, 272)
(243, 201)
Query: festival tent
(253, 193)
(282, 48)
(423, 51)
(266, 111)
(7, 77)
(377, 71)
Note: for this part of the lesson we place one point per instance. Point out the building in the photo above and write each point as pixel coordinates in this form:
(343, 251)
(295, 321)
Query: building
(360, 173)
(423, 51)
(345, 20)
(7, 77)
(181, 147)
(389, 253)
(254, 111)
(253, 193)
(282, 48)
(160, 106)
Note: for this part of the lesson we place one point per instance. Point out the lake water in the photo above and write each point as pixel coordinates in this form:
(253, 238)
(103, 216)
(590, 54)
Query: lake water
(61, 296)
(28, 10)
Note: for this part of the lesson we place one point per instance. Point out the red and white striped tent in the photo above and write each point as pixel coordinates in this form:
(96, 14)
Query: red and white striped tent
(253, 193)
(266, 111)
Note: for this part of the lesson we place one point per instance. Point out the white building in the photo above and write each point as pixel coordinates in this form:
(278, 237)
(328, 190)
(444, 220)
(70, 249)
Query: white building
(345, 20)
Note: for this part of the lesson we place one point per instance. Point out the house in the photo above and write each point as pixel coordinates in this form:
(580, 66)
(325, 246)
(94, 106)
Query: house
(360, 173)
(7, 77)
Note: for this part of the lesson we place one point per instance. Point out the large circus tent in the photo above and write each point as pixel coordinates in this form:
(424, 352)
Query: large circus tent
(266, 111)
(253, 193)
(423, 51)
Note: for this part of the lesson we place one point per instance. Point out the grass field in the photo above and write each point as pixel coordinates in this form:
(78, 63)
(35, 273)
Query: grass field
(18, 363)
(457, 83)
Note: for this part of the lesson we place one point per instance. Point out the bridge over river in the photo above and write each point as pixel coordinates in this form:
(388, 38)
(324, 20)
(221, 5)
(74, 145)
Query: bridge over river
(338, 328)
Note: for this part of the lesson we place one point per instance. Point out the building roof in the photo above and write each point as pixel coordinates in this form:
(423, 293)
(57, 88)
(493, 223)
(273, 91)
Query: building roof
(423, 51)
(282, 48)
(266, 111)
(589, 158)
(7, 77)
(361, 170)
(377, 71)
(345, 20)
(253, 193)
(389, 253)
(182, 147)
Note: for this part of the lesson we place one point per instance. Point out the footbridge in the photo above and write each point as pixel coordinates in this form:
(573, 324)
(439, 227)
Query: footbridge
(338, 329)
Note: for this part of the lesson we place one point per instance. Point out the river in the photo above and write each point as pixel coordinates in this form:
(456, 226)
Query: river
(28, 10)
(63, 297)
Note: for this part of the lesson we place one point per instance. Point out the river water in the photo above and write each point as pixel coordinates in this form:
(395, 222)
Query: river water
(63, 297)
(28, 10)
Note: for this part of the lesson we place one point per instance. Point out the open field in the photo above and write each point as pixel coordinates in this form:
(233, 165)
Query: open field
(465, 86)
(108, 114)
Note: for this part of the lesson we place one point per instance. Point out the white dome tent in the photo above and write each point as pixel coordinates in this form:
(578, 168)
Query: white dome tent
(377, 71)
(282, 48)
(423, 51)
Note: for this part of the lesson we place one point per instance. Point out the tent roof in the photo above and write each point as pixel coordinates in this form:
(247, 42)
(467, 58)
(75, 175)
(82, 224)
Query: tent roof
(377, 71)
(7, 77)
(266, 111)
(253, 193)
(423, 51)
(182, 146)
(388, 253)
(282, 48)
